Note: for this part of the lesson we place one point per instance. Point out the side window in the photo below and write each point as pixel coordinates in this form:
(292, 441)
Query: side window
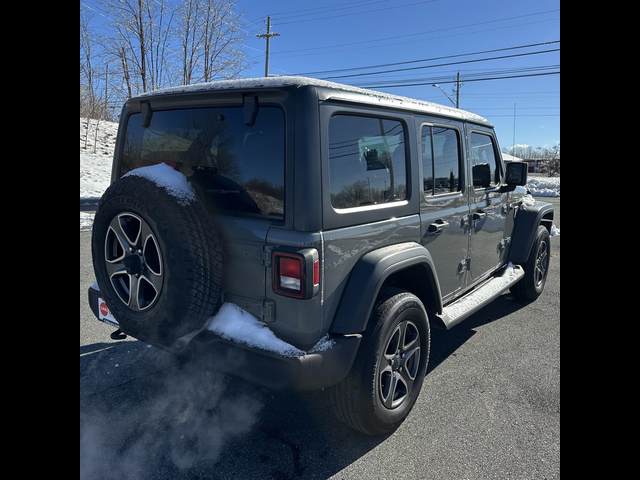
(483, 161)
(367, 161)
(440, 160)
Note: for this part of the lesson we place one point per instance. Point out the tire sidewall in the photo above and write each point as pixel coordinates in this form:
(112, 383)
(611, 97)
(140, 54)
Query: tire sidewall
(542, 235)
(526, 289)
(408, 307)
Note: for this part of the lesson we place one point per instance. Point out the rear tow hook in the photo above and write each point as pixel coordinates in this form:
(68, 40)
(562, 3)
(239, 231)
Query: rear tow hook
(118, 335)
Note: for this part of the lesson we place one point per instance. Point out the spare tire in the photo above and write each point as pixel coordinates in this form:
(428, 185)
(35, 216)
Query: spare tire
(156, 255)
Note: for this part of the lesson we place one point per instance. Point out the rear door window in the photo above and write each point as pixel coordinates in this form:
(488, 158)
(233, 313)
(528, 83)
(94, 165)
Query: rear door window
(367, 161)
(239, 168)
(486, 173)
(440, 160)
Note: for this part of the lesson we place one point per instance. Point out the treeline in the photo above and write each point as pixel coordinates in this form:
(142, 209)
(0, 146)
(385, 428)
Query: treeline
(128, 47)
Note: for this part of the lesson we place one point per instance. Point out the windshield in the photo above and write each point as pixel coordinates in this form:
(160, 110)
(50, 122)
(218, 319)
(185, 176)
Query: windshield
(238, 168)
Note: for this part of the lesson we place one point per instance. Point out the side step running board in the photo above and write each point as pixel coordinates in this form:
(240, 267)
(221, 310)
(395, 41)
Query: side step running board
(484, 294)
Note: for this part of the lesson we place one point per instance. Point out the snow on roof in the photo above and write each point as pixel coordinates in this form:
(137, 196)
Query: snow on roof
(386, 99)
(510, 158)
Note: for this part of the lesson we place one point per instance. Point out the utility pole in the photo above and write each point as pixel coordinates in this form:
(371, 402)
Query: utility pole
(513, 149)
(268, 36)
(458, 91)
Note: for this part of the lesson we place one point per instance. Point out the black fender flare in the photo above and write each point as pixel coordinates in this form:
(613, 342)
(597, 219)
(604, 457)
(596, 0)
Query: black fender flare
(528, 218)
(369, 274)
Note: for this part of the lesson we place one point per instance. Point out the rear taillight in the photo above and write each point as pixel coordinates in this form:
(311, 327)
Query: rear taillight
(290, 273)
(296, 274)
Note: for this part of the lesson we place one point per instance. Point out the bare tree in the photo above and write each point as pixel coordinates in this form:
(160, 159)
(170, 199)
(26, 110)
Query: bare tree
(92, 103)
(187, 30)
(222, 43)
(152, 44)
(139, 35)
(549, 160)
(211, 40)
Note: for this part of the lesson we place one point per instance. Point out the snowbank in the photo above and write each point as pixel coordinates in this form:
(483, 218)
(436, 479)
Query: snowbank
(544, 186)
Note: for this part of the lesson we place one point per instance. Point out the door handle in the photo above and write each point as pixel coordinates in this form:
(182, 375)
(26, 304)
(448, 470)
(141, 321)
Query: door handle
(437, 226)
(479, 215)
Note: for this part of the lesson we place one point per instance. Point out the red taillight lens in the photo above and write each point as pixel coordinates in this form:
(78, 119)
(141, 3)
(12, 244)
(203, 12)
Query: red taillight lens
(291, 273)
(296, 274)
(288, 274)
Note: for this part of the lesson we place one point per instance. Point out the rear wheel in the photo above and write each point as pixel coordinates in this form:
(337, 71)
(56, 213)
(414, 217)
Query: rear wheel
(387, 375)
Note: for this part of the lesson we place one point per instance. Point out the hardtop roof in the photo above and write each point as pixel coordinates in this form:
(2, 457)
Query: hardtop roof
(331, 90)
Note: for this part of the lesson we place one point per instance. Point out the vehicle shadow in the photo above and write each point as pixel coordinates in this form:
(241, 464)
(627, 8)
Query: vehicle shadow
(156, 416)
(444, 342)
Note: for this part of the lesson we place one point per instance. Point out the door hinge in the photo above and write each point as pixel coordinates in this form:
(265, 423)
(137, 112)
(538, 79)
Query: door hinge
(267, 250)
(465, 264)
(269, 311)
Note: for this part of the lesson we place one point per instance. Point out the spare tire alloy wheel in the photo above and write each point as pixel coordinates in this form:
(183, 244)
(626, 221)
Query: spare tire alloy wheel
(133, 261)
(157, 259)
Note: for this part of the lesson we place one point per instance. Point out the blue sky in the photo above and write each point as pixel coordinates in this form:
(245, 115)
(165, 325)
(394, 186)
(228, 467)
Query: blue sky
(331, 35)
(323, 35)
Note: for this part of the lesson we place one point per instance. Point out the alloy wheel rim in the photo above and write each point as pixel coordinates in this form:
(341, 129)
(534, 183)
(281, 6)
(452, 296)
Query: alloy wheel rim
(542, 263)
(134, 261)
(399, 365)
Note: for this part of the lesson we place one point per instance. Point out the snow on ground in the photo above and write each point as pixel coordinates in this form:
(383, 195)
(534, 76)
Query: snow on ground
(97, 141)
(544, 186)
(96, 154)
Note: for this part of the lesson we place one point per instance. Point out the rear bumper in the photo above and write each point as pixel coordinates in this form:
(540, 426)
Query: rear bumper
(312, 371)
(265, 369)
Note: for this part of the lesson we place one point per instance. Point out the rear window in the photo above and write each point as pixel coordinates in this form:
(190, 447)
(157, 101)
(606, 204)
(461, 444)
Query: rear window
(238, 168)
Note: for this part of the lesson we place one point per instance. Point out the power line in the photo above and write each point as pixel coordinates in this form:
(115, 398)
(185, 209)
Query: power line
(465, 80)
(442, 64)
(416, 34)
(357, 13)
(327, 7)
(443, 77)
(382, 65)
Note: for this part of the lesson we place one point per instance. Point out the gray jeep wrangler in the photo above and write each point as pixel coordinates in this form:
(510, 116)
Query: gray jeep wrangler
(329, 213)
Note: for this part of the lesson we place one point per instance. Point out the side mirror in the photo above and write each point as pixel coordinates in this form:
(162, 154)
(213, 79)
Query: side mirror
(516, 175)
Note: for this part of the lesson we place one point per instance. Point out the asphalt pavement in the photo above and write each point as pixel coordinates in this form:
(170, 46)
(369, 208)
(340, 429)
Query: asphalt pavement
(489, 407)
